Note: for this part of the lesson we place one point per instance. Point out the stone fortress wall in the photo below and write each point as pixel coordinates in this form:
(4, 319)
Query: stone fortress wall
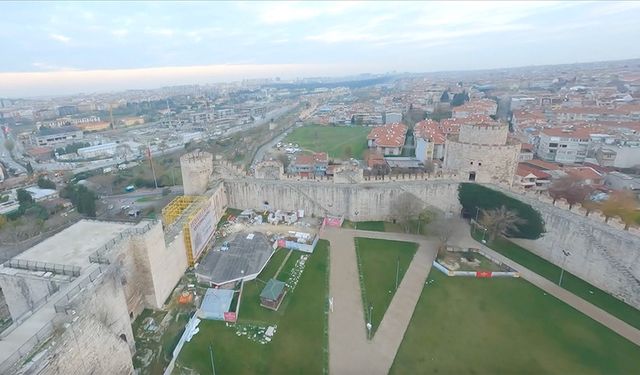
(483, 153)
(196, 168)
(484, 134)
(603, 253)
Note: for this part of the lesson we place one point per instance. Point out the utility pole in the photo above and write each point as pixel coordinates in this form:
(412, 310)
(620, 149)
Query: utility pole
(397, 271)
(566, 254)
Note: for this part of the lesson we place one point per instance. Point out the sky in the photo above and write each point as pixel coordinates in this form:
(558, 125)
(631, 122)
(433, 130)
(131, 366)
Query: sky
(56, 48)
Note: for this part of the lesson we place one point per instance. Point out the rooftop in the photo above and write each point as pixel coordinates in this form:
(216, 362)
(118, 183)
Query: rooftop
(392, 135)
(247, 255)
(60, 130)
(74, 245)
(272, 290)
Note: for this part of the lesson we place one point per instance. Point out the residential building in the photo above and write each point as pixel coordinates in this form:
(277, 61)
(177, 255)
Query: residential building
(309, 165)
(388, 139)
(564, 145)
(586, 175)
(392, 117)
(618, 156)
(530, 177)
(526, 152)
(429, 140)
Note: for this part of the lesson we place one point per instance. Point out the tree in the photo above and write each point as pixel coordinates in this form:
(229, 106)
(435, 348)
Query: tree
(29, 168)
(623, 204)
(569, 188)
(500, 221)
(442, 227)
(24, 198)
(406, 208)
(45, 183)
(425, 217)
(474, 197)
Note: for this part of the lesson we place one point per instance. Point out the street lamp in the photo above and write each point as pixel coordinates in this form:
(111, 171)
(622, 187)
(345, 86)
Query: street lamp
(369, 325)
(566, 254)
(356, 214)
(484, 233)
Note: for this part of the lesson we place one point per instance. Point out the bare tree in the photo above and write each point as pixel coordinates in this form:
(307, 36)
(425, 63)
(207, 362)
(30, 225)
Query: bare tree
(442, 227)
(406, 208)
(500, 221)
(569, 188)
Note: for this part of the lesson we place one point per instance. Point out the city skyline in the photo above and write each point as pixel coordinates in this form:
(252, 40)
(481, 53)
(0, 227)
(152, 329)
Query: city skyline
(65, 48)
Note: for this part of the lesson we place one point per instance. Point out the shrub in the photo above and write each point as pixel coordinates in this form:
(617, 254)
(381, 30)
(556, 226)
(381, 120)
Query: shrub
(474, 197)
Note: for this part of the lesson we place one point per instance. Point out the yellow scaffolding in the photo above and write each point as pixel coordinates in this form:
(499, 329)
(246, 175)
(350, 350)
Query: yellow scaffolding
(176, 207)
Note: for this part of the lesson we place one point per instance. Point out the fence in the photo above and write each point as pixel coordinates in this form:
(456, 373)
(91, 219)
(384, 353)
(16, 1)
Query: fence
(100, 255)
(95, 275)
(25, 349)
(32, 265)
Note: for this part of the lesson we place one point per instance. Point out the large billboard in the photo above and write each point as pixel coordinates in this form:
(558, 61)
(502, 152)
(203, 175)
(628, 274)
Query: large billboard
(201, 229)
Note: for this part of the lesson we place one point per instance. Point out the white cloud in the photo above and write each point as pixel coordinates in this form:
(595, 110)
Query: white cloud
(60, 38)
(287, 12)
(120, 33)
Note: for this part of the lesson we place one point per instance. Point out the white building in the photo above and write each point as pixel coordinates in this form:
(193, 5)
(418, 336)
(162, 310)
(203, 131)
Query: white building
(566, 145)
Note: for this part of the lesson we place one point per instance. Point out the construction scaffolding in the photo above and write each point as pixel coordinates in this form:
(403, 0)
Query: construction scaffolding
(178, 215)
(172, 211)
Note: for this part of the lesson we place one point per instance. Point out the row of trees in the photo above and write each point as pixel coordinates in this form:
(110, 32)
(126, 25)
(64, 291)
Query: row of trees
(82, 198)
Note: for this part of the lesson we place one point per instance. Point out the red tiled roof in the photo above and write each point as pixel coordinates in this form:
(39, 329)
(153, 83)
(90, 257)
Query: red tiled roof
(525, 170)
(583, 173)
(545, 165)
(392, 135)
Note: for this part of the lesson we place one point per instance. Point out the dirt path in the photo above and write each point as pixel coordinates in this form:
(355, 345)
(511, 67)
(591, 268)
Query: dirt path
(349, 350)
(462, 237)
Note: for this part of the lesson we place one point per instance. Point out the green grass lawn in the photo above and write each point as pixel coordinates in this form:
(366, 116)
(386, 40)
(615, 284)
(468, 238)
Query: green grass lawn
(496, 326)
(298, 347)
(250, 309)
(377, 264)
(382, 226)
(570, 282)
(334, 140)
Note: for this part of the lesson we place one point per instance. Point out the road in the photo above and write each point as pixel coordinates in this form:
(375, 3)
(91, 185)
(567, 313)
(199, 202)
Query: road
(6, 157)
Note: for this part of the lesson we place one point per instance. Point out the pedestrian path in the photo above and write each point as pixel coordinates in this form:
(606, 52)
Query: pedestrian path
(349, 350)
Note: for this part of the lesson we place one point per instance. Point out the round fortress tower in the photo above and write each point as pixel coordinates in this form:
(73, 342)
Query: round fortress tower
(196, 168)
(483, 152)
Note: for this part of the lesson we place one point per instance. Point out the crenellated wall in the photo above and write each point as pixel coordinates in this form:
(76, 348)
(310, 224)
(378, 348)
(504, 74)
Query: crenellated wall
(602, 251)
(365, 201)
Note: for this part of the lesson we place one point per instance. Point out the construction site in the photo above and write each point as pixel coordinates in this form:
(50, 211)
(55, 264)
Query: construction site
(99, 288)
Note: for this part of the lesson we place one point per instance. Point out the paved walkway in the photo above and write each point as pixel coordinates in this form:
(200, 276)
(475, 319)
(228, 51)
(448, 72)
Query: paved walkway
(461, 236)
(349, 350)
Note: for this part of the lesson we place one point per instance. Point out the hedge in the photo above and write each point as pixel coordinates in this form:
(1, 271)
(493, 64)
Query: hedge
(473, 197)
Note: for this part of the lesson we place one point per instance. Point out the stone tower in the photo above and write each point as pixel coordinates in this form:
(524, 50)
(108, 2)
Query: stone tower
(196, 168)
(483, 152)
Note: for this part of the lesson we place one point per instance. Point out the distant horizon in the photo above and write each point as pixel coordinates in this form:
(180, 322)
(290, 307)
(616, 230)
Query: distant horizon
(65, 47)
(281, 73)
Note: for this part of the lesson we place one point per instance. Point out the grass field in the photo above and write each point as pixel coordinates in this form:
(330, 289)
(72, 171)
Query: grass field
(250, 309)
(339, 142)
(382, 226)
(298, 347)
(570, 282)
(377, 264)
(497, 326)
